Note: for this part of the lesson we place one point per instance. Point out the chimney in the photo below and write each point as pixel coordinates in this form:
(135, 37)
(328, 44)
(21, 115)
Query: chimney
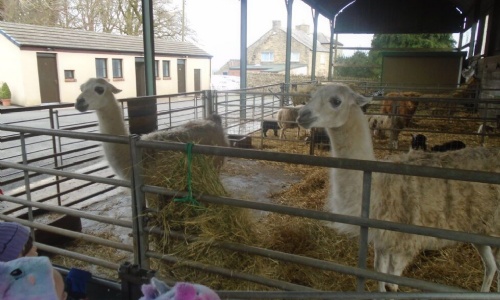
(276, 24)
(304, 28)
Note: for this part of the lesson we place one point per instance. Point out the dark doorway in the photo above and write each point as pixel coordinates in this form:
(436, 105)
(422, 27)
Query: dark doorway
(140, 76)
(181, 76)
(197, 80)
(47, 77)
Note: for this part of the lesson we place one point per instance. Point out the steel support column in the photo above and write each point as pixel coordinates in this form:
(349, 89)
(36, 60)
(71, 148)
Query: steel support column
(315, 15)
(243, 58)
(289, 4)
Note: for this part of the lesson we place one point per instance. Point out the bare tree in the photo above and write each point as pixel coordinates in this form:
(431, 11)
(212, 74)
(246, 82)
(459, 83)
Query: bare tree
(112, 16)
(37, 12)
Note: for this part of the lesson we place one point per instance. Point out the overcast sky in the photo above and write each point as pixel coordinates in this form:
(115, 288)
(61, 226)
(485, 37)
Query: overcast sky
(217, 23)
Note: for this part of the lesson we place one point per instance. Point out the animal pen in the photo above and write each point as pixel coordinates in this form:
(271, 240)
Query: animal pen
(56, 182)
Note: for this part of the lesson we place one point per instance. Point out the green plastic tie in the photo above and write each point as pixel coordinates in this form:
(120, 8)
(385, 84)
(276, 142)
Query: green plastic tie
(189, 198)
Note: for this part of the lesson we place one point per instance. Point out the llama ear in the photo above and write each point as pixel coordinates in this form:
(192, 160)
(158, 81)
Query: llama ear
(362, 100)
(114, 90)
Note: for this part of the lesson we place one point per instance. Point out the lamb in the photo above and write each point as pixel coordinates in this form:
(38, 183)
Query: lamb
(403, 108)
(418, 141)
(287, 117)
(451, 145)
(404, 199)
(98, 94)
(270, 123)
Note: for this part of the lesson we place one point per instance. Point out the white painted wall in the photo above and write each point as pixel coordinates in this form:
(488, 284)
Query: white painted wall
(11, 70)
(19, 69)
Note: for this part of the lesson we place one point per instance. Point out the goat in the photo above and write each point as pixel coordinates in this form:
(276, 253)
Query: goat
(399, 106)
(451, 145)
(449, 204)
(267, 124)
(386, 127)
(418, 141)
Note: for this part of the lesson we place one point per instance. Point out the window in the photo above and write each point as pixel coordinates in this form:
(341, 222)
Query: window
(101, 69)
(69, 74)
(267, 56)
(295, 57)
(156, 68)
(117, 68)
(166, 68)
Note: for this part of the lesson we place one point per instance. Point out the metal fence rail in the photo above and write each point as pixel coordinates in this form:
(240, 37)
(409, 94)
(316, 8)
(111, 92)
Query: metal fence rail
(51, 160)
(141, 253)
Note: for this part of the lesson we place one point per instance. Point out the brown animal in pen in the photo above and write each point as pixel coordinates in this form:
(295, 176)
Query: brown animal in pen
(400, 106)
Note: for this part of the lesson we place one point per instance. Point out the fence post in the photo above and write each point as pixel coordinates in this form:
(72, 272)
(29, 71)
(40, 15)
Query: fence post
(132, 278)
(282, 95)
(55, 152)
(363, 230)
(208, 103)
(27, 179)
(140, 235)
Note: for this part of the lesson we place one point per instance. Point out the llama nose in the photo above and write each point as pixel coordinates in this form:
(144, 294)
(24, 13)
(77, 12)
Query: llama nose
(81, 105)
(304, 115)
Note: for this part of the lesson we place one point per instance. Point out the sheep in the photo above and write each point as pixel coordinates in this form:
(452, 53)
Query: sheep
(387, 127)
(269, 123)
(98, 94)
(418, 141)
(414, 200)
(287, 117)
(403, 108)
(451, 145)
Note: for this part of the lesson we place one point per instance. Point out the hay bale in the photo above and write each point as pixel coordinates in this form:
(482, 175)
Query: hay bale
(210, 222)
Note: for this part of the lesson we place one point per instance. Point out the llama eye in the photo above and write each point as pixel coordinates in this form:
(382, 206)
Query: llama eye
(16, 273)
(99, 90)
(335, 102)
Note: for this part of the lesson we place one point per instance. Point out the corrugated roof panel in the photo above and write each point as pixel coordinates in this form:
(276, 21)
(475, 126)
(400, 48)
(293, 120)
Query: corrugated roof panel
(26, 35)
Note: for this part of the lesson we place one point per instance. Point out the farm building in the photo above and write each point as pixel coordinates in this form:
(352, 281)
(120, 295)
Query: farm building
(267, 54)
(47, 64)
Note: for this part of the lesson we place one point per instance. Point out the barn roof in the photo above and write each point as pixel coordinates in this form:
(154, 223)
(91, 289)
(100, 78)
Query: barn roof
(24, 35)
(401, 16)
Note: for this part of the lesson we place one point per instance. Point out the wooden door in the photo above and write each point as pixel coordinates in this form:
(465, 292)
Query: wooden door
(140, 77)
(47, 77)
(181, 76)
(197, 80)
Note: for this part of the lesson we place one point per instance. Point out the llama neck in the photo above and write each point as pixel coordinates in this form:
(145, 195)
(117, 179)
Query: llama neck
(118, 155)
(111, 120)
(353, 139)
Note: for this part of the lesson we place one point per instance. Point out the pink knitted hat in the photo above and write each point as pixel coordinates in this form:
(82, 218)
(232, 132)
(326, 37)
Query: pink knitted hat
(13, 237)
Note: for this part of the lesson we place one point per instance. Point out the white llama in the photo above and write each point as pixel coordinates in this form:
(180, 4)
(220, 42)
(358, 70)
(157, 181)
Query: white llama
(456, 205)
(98, 94)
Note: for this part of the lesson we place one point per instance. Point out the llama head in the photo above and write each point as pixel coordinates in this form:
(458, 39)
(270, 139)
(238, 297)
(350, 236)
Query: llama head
(330, 106)
(96, 93)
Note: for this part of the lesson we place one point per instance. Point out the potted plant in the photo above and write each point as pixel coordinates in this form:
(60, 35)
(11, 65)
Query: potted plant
(5, 94)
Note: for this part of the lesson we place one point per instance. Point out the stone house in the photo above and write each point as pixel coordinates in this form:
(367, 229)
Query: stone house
(268, 53)
(47, 64)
